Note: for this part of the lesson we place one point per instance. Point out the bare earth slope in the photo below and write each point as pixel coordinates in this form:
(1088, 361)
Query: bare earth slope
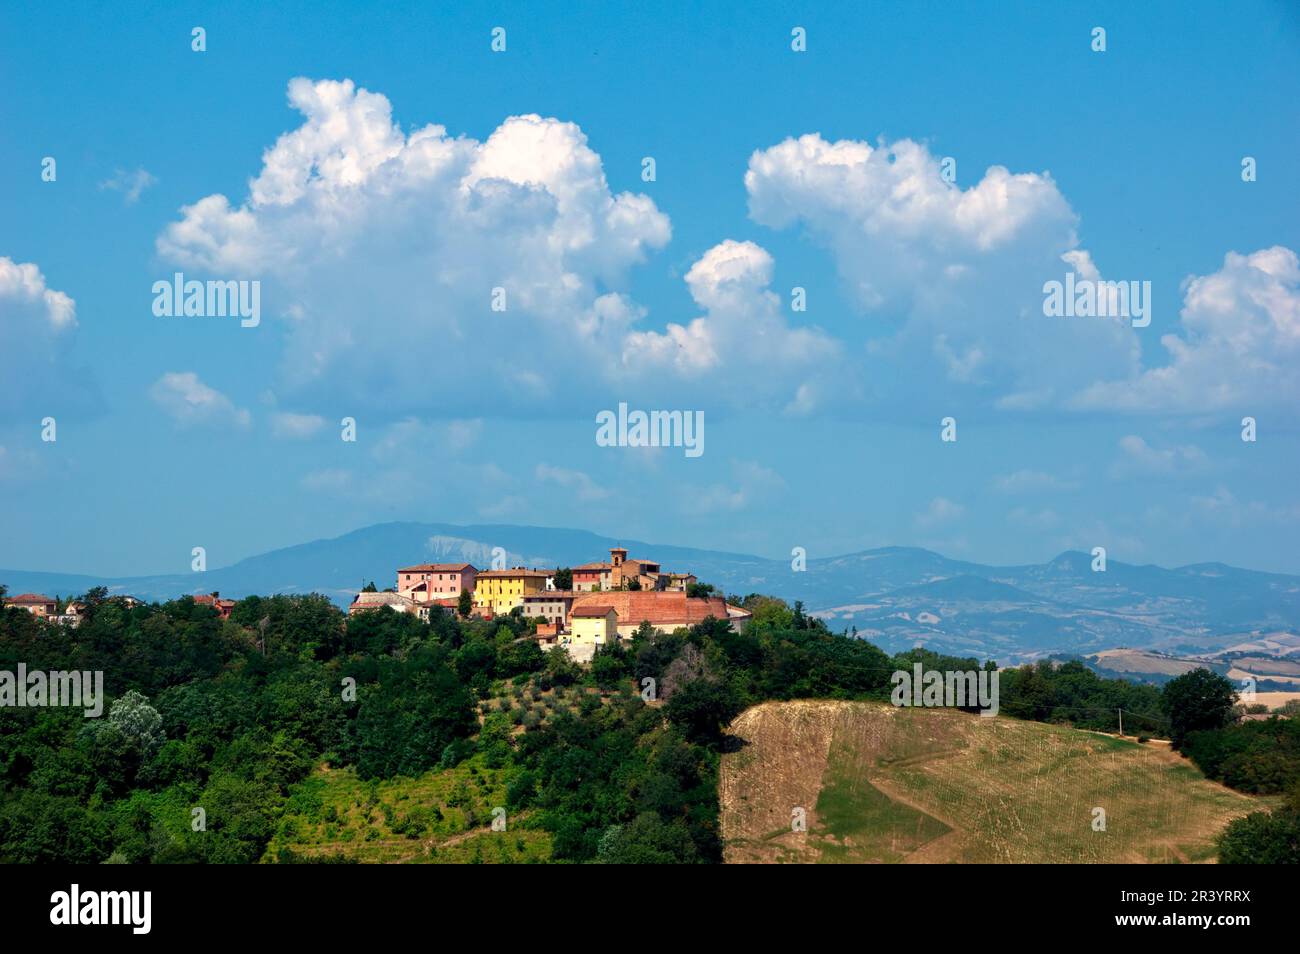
(881, 784)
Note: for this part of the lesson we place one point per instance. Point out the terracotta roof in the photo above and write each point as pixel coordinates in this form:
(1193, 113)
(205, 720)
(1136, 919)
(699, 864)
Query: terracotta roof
(589, 611)
(553, 595)
(660, 608)
(206, 599)
(510, 574)
(437, 568)
(29, 598)
(594, 566)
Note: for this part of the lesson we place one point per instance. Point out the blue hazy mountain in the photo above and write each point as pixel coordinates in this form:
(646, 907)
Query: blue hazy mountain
(896, 596)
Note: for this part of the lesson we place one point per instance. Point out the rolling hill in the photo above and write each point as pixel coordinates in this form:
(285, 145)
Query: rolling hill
(897, 596)
(884, 784)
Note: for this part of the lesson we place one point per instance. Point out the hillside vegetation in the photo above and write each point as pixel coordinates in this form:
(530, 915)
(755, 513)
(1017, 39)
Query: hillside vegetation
(440, 817)
(288, 732)
(885, 784)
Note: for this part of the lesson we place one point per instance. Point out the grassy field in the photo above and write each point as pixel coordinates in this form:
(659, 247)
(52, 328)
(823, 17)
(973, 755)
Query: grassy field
(442, 816)
(880, 784)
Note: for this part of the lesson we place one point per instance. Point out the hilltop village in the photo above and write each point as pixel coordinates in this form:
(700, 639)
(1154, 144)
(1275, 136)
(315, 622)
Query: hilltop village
(579, 608)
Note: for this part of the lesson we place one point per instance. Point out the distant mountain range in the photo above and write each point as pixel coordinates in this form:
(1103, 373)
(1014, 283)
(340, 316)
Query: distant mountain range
(896, 596)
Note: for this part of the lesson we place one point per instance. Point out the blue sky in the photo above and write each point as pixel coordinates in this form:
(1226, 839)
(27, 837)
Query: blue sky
(377, 241)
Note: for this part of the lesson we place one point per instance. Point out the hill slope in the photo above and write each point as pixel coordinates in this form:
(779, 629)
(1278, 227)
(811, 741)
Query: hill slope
(880, 784)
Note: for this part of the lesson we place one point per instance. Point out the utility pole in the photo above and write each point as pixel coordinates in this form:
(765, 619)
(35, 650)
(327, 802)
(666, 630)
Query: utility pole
(1121, 723)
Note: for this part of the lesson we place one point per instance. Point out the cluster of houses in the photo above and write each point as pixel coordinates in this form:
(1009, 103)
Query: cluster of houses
(48, 608)
(606, 602)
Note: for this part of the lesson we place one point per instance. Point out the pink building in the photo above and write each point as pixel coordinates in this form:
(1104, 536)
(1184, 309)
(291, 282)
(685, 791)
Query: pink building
(429, 582)
(34, 603)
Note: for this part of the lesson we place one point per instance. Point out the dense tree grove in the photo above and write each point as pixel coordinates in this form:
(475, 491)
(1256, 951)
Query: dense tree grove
(1264, 838)
(1261, 757)
(1073, 694)
(225, 719)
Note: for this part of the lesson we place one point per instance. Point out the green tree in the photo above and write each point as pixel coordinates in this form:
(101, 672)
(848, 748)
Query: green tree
(563, 578)
(465, 604)
(647, 840)
(1196, 700)
(702, 709)
(609, 666)
(561, 670)
(1264, 838)
(138, 721)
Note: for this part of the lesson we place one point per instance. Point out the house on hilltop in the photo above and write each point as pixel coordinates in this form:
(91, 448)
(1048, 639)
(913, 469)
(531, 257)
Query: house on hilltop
(372, 601)
(34, 603)
(431, 582)
(591, 626)
(502, 590)
(223, 607)
(551, 605)
(622, 572)
(664, 610)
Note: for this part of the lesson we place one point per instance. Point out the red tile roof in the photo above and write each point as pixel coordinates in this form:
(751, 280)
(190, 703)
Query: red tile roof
(29, 598)
(661, 608)
(591, 612)
(437, 568)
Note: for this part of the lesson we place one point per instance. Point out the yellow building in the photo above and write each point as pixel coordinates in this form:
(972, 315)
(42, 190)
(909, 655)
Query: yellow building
(503, 590)
(593, 626)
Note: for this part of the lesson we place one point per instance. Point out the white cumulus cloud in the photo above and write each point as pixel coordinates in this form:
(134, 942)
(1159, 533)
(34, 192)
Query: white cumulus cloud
(386, 248)
(384, 251)
(953, 276)
(1140, 457)
(742, 329)
(190, 402)
(1238, 344)
(37, 325)
(23, 289)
